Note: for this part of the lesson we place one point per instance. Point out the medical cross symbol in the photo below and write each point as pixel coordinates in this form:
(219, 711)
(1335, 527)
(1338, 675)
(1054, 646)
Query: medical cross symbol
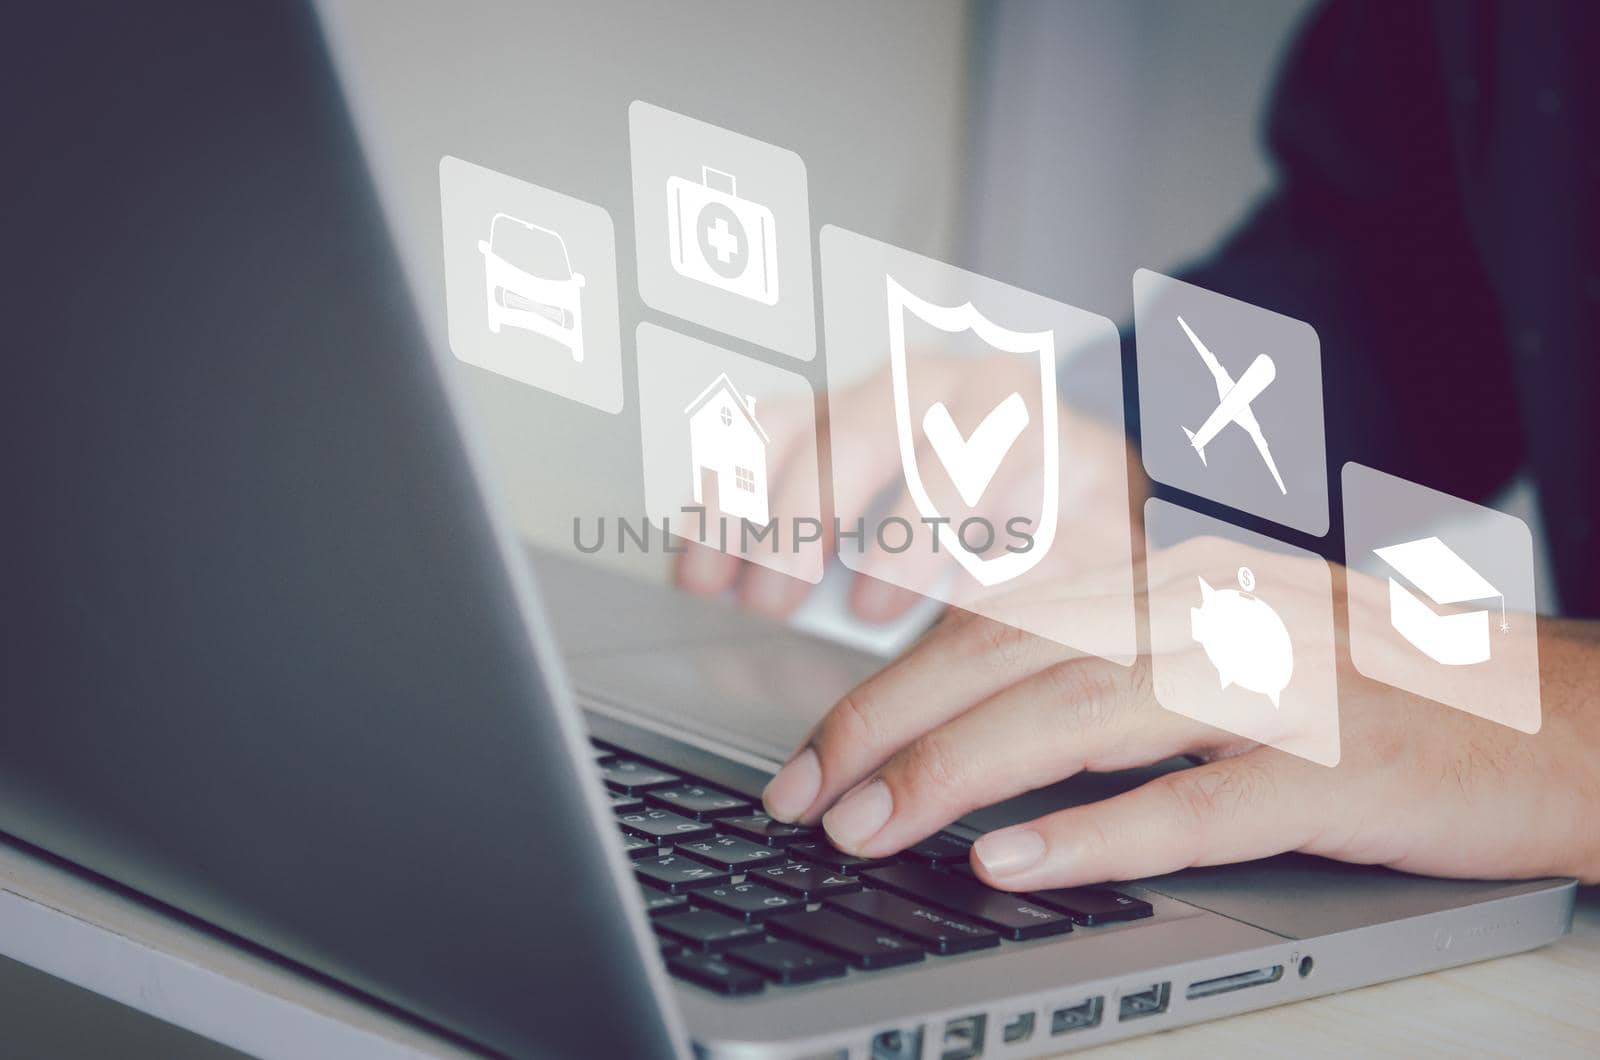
(723, 241)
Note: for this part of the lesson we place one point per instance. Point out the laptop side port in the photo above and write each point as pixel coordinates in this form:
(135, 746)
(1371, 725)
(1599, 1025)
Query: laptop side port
(963, 1038)
(896, 1045)
(1223, 984)
(1019, 1029)
(1152, 1001)
(1077, 1017)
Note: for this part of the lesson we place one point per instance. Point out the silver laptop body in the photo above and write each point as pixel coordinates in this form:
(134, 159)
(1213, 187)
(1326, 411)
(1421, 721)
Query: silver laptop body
(725, 697)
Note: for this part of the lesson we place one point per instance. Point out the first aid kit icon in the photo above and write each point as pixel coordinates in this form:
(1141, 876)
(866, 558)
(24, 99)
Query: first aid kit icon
(720, 239)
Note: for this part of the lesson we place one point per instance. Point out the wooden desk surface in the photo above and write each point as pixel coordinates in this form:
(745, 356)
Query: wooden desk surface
(1544, 1003)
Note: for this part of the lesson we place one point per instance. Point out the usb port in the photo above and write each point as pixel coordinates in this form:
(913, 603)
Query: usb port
(1148, 1002)
(1019, 1029)
(963, 1038)
(897, 1045)
(1237, 981)
(1077, 1017)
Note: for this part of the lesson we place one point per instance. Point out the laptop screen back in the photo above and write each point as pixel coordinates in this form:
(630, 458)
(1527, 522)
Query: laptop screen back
(263, 661)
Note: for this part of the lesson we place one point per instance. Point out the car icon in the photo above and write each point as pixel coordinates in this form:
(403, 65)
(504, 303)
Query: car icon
(529, 282)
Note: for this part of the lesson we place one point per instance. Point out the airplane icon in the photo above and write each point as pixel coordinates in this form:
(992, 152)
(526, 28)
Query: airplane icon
(1233, 402)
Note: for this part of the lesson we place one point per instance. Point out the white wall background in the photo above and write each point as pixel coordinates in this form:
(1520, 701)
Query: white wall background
(1114, 134)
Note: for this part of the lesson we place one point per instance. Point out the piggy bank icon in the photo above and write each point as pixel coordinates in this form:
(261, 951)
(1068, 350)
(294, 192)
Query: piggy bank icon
(1243, 637)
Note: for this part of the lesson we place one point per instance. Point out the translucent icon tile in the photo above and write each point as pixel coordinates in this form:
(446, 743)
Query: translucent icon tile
(1242, 632)
(531, 284)
(1230, 402)
(722, 223)
(730, 452)
(977, 444)
(1441, 597)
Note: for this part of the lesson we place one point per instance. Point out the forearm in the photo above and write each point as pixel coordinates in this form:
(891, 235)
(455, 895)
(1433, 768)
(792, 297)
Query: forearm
(1569, 665)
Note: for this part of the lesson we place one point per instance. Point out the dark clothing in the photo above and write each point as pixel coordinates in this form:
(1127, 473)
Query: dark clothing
(1435, 221)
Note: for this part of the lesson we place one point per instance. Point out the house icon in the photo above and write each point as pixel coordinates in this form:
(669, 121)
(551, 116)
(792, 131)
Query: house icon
(725, 437)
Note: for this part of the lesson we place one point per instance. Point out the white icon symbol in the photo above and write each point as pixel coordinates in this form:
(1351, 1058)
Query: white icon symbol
(972, 462)
(530, 283)
(1243, 637)
(725, 437)
(720, 239)
(1233, 402)
(1457, 638)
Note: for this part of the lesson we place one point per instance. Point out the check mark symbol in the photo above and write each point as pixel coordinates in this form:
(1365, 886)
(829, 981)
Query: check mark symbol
(973, 461)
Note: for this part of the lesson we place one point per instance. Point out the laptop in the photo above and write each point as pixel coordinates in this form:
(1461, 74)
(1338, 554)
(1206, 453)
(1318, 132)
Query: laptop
(275, 661)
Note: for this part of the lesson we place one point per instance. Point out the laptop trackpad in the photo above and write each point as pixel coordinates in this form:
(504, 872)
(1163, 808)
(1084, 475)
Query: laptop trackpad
(759, 696)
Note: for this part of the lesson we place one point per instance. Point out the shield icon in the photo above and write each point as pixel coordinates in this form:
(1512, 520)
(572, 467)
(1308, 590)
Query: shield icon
(954, 320)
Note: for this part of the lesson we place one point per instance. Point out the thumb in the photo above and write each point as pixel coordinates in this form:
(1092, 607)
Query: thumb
(1236, 809)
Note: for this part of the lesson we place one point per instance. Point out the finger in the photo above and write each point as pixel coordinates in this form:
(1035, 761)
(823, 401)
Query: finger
(875, 600)
(857, 426)
(920, 556)
(1076, 715)
(962, 661)
(916, 564)
(795, 495)
(770, 592)
(1236, 809)
(1089, 609)
(795, 490)
(710, 571)
(705, 571)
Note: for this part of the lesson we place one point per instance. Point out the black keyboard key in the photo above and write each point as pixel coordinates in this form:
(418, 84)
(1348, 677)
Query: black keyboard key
(660, 903)
(864, 945)
(691, 800)
(1013, 915)
(621, 803)
(936, 930)
(748, 901)
(822, 852)
(716, 973)
(811, 882)
(941, 848)
(634, 778)
(759, 828)
(677, 874)
(788, 962)
(730, 852)
(601, 755)
(639, 847)
(1093, 905)
(663, 825)
(670, 947)
(709, 931)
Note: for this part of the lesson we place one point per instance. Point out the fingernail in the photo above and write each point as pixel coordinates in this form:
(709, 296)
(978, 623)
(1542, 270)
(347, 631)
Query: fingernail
(768, 592)
(876, 601)
(794, 789)
(1010, 852)
(859, 815)
(698, 569)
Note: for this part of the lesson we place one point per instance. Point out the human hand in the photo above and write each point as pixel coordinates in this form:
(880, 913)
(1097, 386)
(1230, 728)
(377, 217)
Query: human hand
(978, 712)
(870, 486)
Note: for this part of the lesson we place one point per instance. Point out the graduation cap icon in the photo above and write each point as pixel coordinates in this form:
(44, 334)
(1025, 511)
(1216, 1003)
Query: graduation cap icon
(1432, 607)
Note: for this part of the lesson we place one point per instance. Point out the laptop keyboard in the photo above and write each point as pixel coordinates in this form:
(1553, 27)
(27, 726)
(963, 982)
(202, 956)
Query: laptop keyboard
(741, 902)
